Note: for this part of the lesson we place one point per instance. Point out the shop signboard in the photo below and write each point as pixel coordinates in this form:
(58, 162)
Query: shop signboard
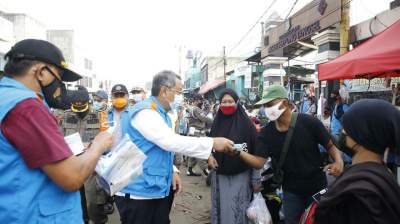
(241, 69)
(377, 84)
(247, 78)
(315, 16)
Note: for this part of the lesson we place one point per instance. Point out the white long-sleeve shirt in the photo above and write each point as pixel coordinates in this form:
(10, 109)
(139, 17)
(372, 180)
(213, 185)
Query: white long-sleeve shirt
(152, 126)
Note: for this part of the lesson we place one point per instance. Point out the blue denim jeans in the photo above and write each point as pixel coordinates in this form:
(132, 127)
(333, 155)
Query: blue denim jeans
(294, 206)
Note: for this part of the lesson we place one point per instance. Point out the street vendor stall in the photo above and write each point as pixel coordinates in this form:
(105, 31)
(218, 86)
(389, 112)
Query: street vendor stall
(377, 57)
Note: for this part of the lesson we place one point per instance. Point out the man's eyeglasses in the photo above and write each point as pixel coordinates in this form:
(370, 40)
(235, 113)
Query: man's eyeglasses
(177, 92)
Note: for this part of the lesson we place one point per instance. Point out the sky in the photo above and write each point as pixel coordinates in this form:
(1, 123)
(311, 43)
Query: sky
(130, 41)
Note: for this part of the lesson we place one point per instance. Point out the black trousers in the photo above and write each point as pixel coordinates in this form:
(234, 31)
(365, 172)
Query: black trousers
(153, 211)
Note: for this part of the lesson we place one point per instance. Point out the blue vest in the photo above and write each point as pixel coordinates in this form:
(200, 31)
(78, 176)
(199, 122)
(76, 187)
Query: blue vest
(156, 180)
(336, 124)
(125, 123)
(29, 195)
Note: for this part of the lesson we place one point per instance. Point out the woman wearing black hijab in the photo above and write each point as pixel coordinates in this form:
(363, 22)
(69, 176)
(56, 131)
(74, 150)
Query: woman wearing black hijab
(367, 192)
(232, 184)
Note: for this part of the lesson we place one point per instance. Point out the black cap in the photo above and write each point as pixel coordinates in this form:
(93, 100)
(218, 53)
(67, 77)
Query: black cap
(44, 51)
(81, 94)
(119, 88)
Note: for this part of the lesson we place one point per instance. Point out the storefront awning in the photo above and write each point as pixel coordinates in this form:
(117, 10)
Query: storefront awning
(210, 85)
(377, 57)
(255, 58)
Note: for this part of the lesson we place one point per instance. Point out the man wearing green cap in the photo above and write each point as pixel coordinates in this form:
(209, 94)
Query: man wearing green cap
(302, 175)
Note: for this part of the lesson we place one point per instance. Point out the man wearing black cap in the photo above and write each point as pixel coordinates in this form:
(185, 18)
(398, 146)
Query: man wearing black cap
(39, 174)
(119, 111)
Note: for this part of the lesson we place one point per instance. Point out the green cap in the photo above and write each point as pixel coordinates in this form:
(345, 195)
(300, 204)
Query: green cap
(272, 93)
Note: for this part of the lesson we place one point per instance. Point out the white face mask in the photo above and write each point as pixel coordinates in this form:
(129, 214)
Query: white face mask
(274, 113)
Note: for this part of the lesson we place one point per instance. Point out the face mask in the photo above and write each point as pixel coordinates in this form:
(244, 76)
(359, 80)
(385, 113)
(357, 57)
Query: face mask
(274, 113)
(228, 109)
(170, 104)
(178, 101)
(56, 102)
(137, 98)
(343, 146)
(119, 103)
(97, 106)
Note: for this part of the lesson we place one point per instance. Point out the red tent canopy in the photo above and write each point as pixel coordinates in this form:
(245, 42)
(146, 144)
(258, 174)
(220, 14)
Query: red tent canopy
(377, 57)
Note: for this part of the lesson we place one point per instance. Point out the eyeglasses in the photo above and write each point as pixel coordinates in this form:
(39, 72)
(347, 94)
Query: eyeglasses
(177, 92)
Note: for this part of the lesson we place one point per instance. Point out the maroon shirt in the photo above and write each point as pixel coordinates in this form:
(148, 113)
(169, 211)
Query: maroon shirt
(33, 131)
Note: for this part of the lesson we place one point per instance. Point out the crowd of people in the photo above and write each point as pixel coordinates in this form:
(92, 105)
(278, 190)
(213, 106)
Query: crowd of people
(238, 153)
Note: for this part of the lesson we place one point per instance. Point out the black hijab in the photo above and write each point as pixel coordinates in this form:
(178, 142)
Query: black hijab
(365, 193)
(374, 124)
(236, 127)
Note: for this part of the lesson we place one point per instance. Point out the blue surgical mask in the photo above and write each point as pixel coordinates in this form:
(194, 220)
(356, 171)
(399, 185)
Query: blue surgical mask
(137, 98)
(97, 106)
(178, 101)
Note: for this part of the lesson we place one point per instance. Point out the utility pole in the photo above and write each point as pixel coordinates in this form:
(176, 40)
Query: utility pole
(224, 59)
(180, 60)
(262, 36)
(344, 28)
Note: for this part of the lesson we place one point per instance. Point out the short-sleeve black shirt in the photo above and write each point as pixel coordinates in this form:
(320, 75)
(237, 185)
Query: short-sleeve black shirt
(302, 168)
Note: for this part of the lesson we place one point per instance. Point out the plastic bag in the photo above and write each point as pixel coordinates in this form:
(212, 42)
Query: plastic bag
(258, 212)
(120, 166)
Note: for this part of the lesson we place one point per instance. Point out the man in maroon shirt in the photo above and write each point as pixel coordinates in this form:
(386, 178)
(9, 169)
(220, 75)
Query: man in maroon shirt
(30, 127)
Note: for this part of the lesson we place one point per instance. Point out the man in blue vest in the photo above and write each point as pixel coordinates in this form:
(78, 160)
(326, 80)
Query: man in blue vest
(39, 174)
(339, 109)
(147, 199)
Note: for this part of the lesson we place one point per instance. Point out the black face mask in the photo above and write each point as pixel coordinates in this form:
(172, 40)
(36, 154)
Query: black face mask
(343, 147)
(56, 102)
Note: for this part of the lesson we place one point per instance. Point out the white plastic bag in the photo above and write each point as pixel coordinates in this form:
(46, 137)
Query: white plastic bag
(120, 166)
(258, 212)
